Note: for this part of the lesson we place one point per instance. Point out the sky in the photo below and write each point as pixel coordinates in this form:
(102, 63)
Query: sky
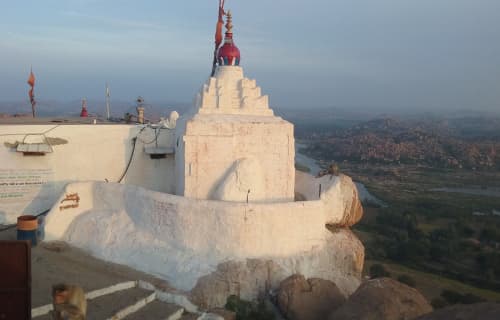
(396, 54)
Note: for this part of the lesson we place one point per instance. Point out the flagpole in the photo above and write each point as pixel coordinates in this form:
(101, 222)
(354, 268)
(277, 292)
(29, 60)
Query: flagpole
(107, 102)
(218, 35)
(31, 93)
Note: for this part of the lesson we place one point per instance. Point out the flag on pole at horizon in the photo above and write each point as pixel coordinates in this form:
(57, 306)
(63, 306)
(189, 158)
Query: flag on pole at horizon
(218, 34)
(31, 93)
(31, 79)
(220, 23)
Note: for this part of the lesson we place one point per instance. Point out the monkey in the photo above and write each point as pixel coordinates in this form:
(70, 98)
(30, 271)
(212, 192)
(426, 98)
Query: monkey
(69, 302)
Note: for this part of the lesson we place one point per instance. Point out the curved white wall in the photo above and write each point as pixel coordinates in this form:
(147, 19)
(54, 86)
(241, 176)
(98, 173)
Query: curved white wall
(182, 239)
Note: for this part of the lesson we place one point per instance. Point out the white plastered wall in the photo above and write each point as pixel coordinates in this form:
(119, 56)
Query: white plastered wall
(212, 144)
(88, 152)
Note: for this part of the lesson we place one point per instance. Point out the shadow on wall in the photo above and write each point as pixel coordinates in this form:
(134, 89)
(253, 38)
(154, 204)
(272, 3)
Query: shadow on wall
(91, 200)
(110, 153)
(51, 191)
(43, 200)
(37, 182)
(46, 197)
(243, 181)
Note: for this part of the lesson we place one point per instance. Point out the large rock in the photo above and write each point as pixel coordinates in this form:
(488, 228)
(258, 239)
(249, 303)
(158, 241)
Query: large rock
(383, 299)
(338, 194)
(353, 210)
(340, 261)
(483, 311)
(246, 280)
(299, 299)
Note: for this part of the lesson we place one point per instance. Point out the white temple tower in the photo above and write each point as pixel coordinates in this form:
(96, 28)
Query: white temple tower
(233, 147)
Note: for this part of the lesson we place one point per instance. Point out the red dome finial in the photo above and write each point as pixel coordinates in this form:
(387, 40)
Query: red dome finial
(229, 54)
(84, 112)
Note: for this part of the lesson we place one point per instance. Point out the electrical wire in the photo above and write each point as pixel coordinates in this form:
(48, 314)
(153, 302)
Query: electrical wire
(134, 141)
(157, 134)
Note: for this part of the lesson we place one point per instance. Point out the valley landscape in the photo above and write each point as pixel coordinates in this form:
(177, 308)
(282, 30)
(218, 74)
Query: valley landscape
(436, 179)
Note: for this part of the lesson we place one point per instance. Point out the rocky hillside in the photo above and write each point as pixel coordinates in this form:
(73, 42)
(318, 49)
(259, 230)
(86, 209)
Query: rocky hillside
(375, 299)
(434, 143)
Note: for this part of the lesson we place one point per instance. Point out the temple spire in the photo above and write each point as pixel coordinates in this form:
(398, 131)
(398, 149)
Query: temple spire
(229, 54)
(229, 24)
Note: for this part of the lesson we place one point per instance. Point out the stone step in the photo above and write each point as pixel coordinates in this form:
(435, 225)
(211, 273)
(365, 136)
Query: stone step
(157, 310)
(44, 317)
(129, 302)
(110, 305)
(189, 316)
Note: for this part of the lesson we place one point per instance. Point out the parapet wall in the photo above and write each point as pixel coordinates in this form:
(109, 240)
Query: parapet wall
(31, 184)
(182, 240)
(212, 227)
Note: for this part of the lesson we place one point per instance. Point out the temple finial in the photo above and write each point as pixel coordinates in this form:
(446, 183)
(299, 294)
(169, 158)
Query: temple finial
(229, 24)
(228, 54)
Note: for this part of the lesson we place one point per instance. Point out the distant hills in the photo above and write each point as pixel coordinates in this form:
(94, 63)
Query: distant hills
(451, 143)
(318, 117)
(51, 108)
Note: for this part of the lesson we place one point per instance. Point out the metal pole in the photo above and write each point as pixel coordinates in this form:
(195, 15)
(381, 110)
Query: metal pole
(107, 102)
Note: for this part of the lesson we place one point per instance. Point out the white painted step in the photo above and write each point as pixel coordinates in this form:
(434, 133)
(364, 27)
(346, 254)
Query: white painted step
(112, 306)
(157, 310)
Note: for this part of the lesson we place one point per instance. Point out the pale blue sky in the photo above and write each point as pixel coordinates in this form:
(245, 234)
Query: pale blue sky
(317, 53)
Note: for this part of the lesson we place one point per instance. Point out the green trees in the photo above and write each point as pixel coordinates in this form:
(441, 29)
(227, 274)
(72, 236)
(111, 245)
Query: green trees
(246, 310)
(378, 271)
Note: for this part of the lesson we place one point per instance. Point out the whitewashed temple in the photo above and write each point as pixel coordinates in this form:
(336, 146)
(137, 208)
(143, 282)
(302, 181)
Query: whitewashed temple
(205, 200)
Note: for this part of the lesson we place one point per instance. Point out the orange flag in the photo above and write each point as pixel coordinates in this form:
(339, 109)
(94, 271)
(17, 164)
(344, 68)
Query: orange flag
(218, 34)
(31, 79)
(31, 82)
(220, 23)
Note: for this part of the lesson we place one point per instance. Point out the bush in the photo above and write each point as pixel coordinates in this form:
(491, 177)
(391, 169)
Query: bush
(438, 303)
(246, 310)
(378, 271)
(453, 297)
(406, 279)
(470, 298)
(409, 251)
(489, 234)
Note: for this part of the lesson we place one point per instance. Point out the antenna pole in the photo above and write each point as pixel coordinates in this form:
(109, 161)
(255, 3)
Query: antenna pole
(107, 102)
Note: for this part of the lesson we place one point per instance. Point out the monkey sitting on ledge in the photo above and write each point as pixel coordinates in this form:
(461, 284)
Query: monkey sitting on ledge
(69, 302)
